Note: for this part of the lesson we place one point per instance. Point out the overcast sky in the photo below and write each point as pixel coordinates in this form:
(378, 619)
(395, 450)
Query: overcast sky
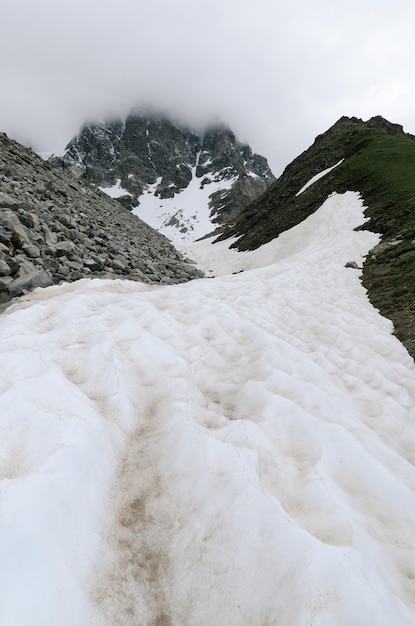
(279, 72)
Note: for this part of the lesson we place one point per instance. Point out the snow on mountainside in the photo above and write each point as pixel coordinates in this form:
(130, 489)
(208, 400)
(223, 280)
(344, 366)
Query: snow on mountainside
(375, 158)
(186, 216)
(233, 451)
(181, 182)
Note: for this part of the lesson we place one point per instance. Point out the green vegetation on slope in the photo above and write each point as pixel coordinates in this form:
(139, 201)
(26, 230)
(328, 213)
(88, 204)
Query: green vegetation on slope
(385, 174)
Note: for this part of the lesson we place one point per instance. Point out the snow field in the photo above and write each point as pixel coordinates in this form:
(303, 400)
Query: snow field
(186, 216)
(233, 451)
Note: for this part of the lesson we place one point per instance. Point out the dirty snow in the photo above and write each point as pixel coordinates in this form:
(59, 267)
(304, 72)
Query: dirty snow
(237, 450)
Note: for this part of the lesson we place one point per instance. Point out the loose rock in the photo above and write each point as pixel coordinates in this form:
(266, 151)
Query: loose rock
(25, 283)
(62, 229)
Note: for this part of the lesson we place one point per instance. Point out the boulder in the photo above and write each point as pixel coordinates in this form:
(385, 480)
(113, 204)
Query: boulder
(63, 248)
(32, 251)
(4, 268)
(8, 202)
(28, 282)
(4, 283)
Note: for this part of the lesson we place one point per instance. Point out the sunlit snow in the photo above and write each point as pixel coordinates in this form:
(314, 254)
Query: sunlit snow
(232, 451)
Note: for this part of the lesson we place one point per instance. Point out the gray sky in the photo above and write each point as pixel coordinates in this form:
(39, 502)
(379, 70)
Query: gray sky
(279, 72)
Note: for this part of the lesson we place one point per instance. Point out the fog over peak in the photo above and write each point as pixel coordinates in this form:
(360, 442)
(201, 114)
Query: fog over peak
(277, 74)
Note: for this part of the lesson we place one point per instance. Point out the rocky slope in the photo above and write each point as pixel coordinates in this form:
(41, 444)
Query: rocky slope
(55, 228)
(377, 159)
(145, 155)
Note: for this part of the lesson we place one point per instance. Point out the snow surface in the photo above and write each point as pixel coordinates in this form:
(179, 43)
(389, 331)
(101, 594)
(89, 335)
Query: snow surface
(236, 451)
(318, 176)
(116, 191)
(186, 216)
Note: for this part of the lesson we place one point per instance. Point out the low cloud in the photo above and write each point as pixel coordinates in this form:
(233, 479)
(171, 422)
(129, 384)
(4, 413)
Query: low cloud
(277, 74)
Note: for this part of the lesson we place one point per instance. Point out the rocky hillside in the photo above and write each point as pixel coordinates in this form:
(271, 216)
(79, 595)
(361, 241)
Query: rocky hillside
(168, 173)
(377, 159)
(55, 228)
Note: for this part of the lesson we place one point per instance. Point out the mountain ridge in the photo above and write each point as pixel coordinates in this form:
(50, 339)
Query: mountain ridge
(153, 154)
(378, 161)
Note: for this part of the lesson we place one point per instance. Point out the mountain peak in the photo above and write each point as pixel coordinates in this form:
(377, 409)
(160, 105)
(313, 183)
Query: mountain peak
(345, 123)
(158, 167)
(380, 122)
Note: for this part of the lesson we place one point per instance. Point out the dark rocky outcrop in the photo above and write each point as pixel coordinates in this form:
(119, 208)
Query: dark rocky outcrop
(143, 150)
(55, 228)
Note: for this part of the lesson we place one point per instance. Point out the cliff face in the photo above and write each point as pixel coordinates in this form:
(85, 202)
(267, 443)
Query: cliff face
(152, 155)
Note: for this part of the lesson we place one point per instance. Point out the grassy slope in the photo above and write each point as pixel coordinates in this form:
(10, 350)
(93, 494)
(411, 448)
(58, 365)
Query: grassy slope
(385, 174)
(379, 162)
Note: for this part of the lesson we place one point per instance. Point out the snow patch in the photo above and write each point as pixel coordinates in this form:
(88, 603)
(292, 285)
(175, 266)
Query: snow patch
(116, 191)
(317, 177)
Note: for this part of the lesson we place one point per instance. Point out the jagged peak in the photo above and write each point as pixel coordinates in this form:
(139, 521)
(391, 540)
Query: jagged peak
(380, 122)
(377, 121)
(150, 154)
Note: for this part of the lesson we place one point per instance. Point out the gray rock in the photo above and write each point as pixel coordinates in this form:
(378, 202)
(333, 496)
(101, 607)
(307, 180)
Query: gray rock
(6, 249)
(63, 270)
(4, 268)
(116, 264)
(136, 274)
(76, 275)
(5, 236)
(75, 265)
(92, 264)
(74, 235)
(8, 202)
(51, 238)
(4, 283)
(67, 220)
(40, 278)
(63, 248)
(50, 264)
(28, 219)
(25, 267)
(31, 251)
(19, 234)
